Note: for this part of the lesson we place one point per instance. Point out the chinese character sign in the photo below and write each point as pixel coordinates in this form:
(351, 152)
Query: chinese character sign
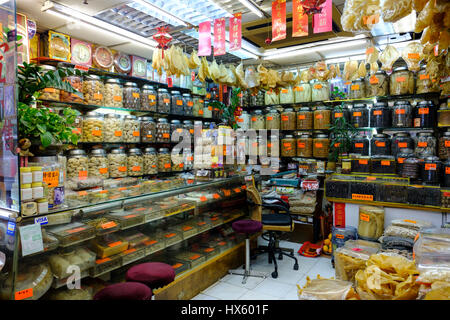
(323, 22)
(235, 32)
(299, 20)
(204, 38)
(278, 20)
(219, 37)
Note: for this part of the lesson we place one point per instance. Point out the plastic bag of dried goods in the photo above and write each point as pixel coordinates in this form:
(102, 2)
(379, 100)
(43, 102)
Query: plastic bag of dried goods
(157, 61)
(325, 289)
(412, 54)
(203, 72)
(194, 60)
(388, 57)
(240, 76)
(425, 16)
(362, 71)
(214, 71)
(374, 68)
(251, 77)
(393, 11)
(371, 54)
(350, 68)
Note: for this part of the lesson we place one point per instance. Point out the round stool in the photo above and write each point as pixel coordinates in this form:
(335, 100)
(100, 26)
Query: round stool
(248, 227)
(152, 274)
(124, 291)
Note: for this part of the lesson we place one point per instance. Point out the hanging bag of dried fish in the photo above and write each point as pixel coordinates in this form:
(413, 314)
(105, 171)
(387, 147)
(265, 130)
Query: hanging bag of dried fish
(393, 11)
(240, 76)
(251, 77)
(194, 60)
(413, 54)
(203, 72)
(157, 63)
(214, 71)
(322, 72)
(350, 70)
(388, 57)
(356, 13)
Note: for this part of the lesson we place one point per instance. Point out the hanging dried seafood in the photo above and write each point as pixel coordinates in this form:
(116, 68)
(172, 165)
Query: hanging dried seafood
(425, 17)
(354, 17)
(362, 71)
(350, 70)
(194, 60)
(371, 54)
(388, 57)
(393, 11)
(412, 54)
(203, 72)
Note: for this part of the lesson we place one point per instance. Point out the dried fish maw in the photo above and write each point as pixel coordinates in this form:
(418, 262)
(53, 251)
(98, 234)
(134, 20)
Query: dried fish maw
(350, 68)
(425, 17)
(418, 5)
(362, 70)
(412, 54)
(444, 40)
(388, 57)
(426, 34)
(194, 60)
(371, 54)
(393, 11)
(373, 68)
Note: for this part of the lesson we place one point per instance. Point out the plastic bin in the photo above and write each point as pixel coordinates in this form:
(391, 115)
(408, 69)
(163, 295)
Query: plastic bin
(72, 233)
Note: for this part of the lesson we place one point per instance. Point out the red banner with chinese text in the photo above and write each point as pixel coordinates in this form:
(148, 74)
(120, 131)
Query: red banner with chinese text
(235, 32)
(278, 20)
(219, 37)
(204, 38)
(299, 20)
(323, 22)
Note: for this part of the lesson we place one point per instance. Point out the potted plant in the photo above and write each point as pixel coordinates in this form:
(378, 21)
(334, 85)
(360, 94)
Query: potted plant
(230, 112)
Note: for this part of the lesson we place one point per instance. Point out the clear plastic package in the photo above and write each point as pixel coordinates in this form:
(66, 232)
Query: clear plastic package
(127, 219)
(325, 289)
(108, 246)
(72, 233)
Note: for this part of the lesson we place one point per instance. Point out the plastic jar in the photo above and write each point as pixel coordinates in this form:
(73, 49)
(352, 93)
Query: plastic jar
(377, 85)
(360, 116)
(197, 109)
(37, 174)
(26, 176)
(150, 161)
(52, 94)
(340, 113)
(401, 157)
(304, 145)
(322, 118)
(288, 119)
(444, 114)
(175, 126)
(113, 93)
(382, 164)
(286, 96)
(93, 124)
(93, 90)
(320, 91)
(164, 100)
(273, 120)
(78, 127)
(164, 160)
(98, 164)
(400, 141)
(402, 115)
(273, 146)
(410, 168)
(188, 159)
(188, 127)
(77, 165)
(380, 116)
(113, 128)
(446, 170)
(135, 162)
(444, 146)
(188, 103)
(131, 96)
(207, 110)
(271, 97)
(304, 119)
(177, 103)
(360, 164)
(425, 115)
(243, 121)
(148, 98)
(360, 145)
(302, 92)
(131, 129)
(338, 83)
(77, 83)
(371, 223)
(257, 120)
(117, 163)
(162, 130)
(148, 129)
(381, 144)
(401, 82)
(26, 193)
(424, 83)
(177, 160)
(425, 144)
(321, 146)
(357, 89)
(288, 146)
(431, 170)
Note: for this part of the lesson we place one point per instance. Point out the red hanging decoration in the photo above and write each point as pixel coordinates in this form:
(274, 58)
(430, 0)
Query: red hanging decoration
(163, 38)
(312, 6)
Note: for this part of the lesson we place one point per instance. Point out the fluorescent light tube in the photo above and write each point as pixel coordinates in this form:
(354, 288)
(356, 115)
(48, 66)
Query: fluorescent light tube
(252, 8)
(162, 12)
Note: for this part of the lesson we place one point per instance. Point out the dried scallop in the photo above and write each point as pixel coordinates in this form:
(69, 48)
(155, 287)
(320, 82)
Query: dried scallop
(412, 54)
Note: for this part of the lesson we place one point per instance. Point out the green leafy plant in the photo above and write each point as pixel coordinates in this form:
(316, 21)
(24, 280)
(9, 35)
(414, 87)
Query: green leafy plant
(49, 127)
(228, 112)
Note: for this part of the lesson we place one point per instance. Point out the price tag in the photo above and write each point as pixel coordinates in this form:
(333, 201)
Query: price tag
(216, 196)
(357, 114)
(364, 217)
(170, 235)
(227, 193)
(339, 236)
(49, 90)
(136, 168)
(136, 134)
(298, 89)
(430, 166)
(401, 160)
(98, 96)
(51, 178)
(240, 120)
(179, 102)
(401, 79)
(118, 133)
(237, 190)
(210, 109)
(301, 117)
(209, 249)
(190, 104)
(135, 95)
(337, 144)
(165, 100)
(122, 169)
(31, 239)
(380, 144)
(373, 80)
(82, 175)
(364, 197)
(317, 86)
(151, 97)
(424, 76)
(359, 145)
(424, 110)
(269, 118)
(108, 225)
(319, 145)
(355, 87)
(370, 50)
(97, 133)
(378, 112)
(422, 144)
(400, 111)
(347, 83)
(166, 135)
(167, 165)
(100, 261)
(284, 91)
(287, 145)
(414, 56)
(338, 115)
(410, 221)
(82, 193)
(177, 265)
(76, 131)
(23, 294)
(103, 170)
(284, 118)
(403, 144)
(76, 230)
(187, 228)
(363, 161)
(301, 145)
(385, 163)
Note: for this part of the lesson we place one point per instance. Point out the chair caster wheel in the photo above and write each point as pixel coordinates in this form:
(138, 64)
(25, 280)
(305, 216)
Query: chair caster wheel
(275, 274)
(296, 266)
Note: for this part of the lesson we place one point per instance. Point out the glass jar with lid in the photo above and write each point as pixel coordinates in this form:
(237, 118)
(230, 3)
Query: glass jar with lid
(411, 168)
(425, 115)
(446, 173)
(401, 156)
(164, 160)
(113, 128)
(357, 89)
(177, 160)
(164, 100)
(425, 144)
(304, 145)
(273, 146)
(188, 103)
(381, 144)
(302, 92)
(444, 146)
(288, 146)
(304, 118)
(424, 83)
(148, 98)
(93, 124)
(286, 96)
(197, 109)
(76, 82)
(377, 85)
(77, 165)
(340, 113)
(383, 164)
(380, 115)
(52, 94)
(150, 161)
(322, 118)
(360, 115)
(148, 129)
(360, 145)
(321, 145)
(444, 114)
(360, 164)
(131, 96)
(320, 91)
(175, 126)
(431, 169)
(93, 90)
(188, 159)
(163, 130)
(257, 120)
(177, 103)
(207, 110)
(401, 82)
(135, 162)
(402, 115)
(98, 164)
(273, 119)
(288, 119)
(262, 146)
(337, 86)
(244, 98)
(113, 93)
(400, 141)
(131, 129)
(117, 163)
(243, 121)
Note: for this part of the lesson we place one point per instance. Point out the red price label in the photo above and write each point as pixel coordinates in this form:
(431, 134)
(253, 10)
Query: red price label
(364, 217)
(364, 197)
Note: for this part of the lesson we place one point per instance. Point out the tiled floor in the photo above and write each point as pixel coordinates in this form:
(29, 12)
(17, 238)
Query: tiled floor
(284, 287)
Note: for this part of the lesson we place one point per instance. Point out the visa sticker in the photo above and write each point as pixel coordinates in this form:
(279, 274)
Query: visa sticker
(11, 229)
(41, 220)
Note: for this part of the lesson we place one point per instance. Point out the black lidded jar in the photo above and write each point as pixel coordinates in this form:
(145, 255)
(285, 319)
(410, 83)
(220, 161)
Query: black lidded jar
(360, 145)
(425, 115)
(360, 116)
(380, 115)
(446, 173)
(401, 157)
(381, 144)
(431, 169)
(401, 140)
(340, 112)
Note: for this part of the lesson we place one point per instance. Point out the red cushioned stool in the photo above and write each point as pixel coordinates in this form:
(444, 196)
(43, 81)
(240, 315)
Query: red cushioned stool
(152, 274)
(248, 227)
(125, 291)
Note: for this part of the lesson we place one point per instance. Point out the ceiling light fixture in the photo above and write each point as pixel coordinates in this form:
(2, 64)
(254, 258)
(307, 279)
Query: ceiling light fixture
(162, 12)
(252, 8)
